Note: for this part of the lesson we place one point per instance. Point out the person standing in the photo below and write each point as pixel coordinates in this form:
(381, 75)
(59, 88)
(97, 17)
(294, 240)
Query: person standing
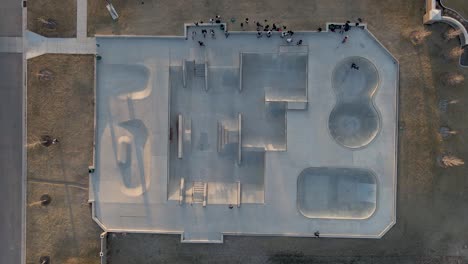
(347, 27)
(344, 40)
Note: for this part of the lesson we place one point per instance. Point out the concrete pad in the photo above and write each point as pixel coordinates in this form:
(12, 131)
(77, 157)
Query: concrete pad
(150, 88)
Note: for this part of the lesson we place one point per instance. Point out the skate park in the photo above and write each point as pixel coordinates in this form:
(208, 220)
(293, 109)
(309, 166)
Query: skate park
(245, 135)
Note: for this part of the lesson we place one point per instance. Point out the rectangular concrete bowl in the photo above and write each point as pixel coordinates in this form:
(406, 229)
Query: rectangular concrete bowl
(336, 193)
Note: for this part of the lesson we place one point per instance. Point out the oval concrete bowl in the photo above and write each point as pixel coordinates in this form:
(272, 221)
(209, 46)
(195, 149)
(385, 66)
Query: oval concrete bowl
(354, 121)
(336, 193)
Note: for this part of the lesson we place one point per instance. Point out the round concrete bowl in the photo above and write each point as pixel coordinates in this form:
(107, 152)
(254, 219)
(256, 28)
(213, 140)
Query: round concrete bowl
(336, 193)
(354, 121)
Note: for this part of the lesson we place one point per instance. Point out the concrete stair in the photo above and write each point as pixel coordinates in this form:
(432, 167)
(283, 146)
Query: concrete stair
(200, 70)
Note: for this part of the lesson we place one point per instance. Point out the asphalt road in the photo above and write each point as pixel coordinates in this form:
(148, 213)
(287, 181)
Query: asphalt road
(11, 133)
(11, 105)
(11, 18)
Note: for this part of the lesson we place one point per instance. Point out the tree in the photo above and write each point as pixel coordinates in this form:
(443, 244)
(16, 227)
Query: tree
(44, 200)
(48, 23)
(47, 141)
(455, 53)
(454, 78)
(444, 103)
(45, 75)
(417, 37)
(44, 260)
(447, 160)
(446, 132)
(452, 33)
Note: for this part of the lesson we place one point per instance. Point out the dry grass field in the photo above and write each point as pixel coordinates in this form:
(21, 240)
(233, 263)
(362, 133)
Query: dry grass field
(63, 12)
(62, 107)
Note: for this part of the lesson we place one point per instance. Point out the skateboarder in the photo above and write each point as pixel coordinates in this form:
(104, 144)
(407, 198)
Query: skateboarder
(344, 40)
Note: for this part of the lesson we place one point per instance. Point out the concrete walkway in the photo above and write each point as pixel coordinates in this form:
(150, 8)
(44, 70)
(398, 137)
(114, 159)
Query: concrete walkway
(37, 45)
(81, 19)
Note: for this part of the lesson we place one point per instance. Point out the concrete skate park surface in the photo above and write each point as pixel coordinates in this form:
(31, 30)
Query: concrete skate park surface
(243, 135)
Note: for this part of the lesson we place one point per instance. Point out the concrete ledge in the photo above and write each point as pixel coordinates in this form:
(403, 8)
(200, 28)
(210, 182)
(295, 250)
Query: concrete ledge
(239, 149)
(103, 252)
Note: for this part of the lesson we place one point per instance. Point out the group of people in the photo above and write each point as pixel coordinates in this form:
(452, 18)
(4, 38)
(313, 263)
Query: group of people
(344, 28)
(268, 31)
(261, 30)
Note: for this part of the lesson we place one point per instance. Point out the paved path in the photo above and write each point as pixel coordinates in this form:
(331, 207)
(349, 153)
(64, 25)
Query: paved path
(81, 19)
(38, 45)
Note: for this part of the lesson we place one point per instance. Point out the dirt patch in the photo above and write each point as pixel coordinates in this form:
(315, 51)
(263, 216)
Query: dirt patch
(52, 18)
(60, 103)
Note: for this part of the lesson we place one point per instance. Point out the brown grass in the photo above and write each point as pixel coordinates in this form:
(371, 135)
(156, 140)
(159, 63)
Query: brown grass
(64, 108)
(62, 11)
